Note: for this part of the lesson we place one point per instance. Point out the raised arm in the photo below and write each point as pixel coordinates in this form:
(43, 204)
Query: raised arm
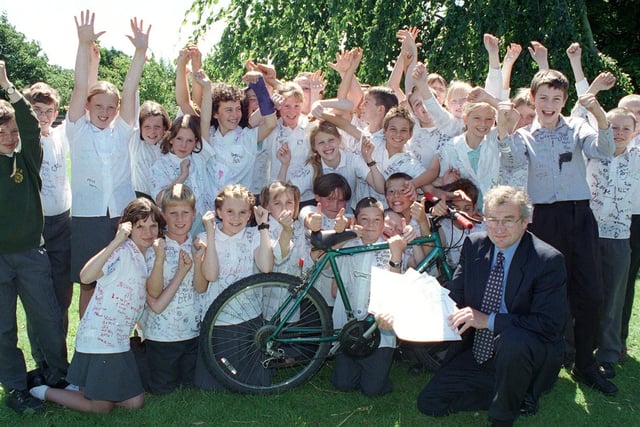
(155, 281)
(574, 52)
(493, 82)
(263, 254)
(183, 96)
(267, 109)
(510, 58)
(206, 103)
(140, 40)
(92, 270)
(158, 304)
(539, 54)
(210, 265)
(86, 37)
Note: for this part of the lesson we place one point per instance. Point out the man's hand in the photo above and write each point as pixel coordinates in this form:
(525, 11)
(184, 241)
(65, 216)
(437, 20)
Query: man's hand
(466, 318)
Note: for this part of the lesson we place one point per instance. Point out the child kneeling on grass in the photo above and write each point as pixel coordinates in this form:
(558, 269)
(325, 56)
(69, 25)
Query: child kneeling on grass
(103, 366)
(370, 374)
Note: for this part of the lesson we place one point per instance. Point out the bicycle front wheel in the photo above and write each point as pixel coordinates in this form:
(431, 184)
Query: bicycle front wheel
(238, 337)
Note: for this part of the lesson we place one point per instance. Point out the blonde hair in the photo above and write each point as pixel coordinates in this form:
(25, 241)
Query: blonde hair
(105, 87)
(291, 89)
(470, 107)
(176, 194)
(235, 191)
(455, 86)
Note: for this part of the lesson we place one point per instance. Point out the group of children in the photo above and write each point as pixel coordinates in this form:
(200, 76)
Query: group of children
(230, 186)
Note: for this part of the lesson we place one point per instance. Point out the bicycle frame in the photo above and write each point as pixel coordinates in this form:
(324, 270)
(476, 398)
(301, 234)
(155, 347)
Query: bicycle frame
(292, 302)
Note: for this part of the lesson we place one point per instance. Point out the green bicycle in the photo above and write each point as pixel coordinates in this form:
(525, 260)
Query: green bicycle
(272, 331)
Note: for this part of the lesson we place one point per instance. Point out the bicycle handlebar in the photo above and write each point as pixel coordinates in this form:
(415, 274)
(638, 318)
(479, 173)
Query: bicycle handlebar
(460, 217)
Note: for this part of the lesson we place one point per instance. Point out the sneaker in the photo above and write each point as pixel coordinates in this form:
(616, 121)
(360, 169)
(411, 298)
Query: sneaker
(22, 402)
(607, 369)
(596, 381)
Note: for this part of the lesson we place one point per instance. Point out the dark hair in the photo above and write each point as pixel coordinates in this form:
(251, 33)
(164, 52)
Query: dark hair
(188, 121)
(224, 92)
(368, 202)
(139, 210)
(324, 185)
(466, 185)
(394, 176)
(384, 96)
(552, 78)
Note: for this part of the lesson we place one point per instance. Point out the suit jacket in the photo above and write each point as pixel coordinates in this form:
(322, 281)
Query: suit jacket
(535, 293)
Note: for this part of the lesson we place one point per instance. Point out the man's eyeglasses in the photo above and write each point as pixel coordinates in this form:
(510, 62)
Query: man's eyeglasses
(507, 222)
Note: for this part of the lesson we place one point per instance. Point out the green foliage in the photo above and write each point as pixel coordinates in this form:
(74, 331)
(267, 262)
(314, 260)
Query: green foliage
(25, 63)
(306, 34)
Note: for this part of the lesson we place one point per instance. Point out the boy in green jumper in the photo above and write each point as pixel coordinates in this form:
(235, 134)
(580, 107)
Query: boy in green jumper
(24, 265)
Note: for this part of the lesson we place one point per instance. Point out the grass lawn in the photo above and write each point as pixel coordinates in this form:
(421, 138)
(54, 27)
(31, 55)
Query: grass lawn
(318, 404)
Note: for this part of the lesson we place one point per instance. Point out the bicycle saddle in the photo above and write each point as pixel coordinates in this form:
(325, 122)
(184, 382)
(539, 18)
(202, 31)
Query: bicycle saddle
(326, 239)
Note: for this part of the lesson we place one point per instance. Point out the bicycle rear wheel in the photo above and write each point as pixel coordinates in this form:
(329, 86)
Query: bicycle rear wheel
(238, 340)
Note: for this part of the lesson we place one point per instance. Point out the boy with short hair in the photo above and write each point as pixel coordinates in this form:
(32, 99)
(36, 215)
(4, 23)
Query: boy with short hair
(24, 265)
(170, 320)
(554, 147)
(56, 197)
(613, 183)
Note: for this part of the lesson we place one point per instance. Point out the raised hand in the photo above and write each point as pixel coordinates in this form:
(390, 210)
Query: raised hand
(316, 81)
(160, 248)
(261, 214)
(513, 52)
(604, 81)
(124, 231)
(539, 53)
(341, 222)
(508, 118)
(209, 221)
(574, 51)
(86, 32)
(284, 154)
(184, 262)
(286, 219)
(140, 38)
(366, 148)
(198, 249)
(315, 219)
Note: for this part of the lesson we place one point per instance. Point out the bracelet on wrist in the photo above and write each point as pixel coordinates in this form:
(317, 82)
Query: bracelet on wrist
(395, 264)
(263, 226)
(372, 163)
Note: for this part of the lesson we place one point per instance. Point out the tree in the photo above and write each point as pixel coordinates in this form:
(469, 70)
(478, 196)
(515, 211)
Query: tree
(304, 35)
(26, 63)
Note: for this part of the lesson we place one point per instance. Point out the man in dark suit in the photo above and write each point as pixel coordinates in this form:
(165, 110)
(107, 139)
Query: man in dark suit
(523, 332)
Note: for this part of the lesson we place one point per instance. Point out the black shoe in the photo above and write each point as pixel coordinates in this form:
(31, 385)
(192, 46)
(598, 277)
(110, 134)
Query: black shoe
(529, 406)
(596, 381)
(35, 378)
(22, 402)
(607, 369)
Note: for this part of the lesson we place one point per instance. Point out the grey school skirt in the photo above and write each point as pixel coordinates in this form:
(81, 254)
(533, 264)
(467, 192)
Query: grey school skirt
(111, 376)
